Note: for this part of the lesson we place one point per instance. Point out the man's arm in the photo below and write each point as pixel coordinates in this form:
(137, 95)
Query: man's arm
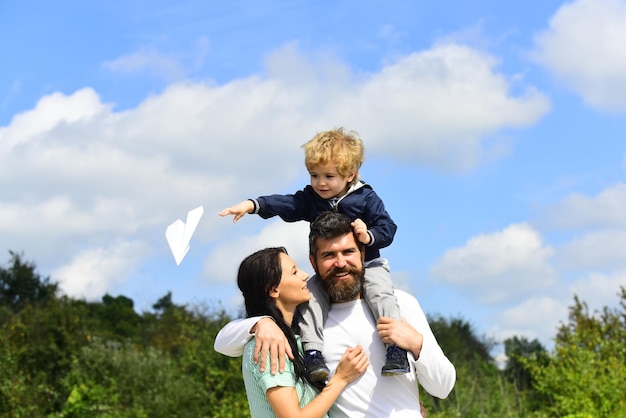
(231, 339)
(433, 369)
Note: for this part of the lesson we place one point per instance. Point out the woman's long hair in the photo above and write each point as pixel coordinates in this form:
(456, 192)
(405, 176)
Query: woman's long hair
(258, 274)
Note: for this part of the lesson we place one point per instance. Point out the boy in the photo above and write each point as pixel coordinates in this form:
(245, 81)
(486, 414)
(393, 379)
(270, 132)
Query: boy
(333, 159)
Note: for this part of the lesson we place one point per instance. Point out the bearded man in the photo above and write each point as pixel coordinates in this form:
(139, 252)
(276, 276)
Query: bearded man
(337, 258)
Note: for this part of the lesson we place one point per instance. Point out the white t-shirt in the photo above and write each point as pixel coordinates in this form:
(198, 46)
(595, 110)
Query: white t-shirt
(372, 395)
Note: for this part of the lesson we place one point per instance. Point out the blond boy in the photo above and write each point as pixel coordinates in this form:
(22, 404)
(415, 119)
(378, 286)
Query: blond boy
(333, 159)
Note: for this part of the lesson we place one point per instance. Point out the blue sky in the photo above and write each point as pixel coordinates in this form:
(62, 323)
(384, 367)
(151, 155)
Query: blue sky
(494, 132)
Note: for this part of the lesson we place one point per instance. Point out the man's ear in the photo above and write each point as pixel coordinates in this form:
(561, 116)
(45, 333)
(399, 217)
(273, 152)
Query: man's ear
(313, 263)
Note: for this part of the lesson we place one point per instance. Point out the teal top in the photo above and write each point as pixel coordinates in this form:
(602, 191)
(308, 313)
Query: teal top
(257, 382)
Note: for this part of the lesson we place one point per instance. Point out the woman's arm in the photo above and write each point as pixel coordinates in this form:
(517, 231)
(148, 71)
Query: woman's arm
(284, 399)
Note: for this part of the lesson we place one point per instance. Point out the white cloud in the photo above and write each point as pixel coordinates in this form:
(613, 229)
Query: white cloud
(75, 175)
(584, 46)
(147, 60)
(537, 317)
(499, 267)
(441, 107)
(95, 271)
(602, 250)
(580, 211)
(222, 263)
(50, 112)
(540, 316)
(599, 290)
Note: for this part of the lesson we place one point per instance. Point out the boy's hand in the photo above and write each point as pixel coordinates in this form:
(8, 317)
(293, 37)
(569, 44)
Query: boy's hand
(239, 210)
(360, 229)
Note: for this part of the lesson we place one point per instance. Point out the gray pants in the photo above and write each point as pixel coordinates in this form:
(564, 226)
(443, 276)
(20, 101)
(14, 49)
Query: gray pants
(377, 292)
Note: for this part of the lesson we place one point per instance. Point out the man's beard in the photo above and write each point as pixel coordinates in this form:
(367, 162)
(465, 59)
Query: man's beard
(343, 290)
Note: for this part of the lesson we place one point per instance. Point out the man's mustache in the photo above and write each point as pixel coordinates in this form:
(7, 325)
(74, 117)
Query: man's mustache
(336, 270)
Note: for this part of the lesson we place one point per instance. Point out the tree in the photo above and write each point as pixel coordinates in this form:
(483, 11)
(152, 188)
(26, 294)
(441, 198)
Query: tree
(516, 371)
(43, 341)
(459, 339)
(586, 373)
(20, 284)
(480, 389)
(117, 316)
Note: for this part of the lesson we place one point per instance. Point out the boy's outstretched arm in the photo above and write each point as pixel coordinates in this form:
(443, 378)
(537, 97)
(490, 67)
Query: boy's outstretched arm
(239, 210)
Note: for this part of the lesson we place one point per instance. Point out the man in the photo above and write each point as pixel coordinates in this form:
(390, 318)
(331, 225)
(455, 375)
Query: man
(337, 257)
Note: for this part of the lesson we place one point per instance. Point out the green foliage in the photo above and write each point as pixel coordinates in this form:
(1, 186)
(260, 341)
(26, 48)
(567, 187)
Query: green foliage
(20, 285)
(480, 390)
(586, 375)
(15, 396)
(67, 358)
(518, 350)
(123, 381)
(460, 340)
(42, 341)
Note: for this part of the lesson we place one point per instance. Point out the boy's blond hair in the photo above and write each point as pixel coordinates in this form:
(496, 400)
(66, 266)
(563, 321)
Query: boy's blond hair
(344, 150)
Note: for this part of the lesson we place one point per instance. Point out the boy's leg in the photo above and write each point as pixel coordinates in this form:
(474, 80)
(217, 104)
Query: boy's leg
(312, 318)
(378, 292)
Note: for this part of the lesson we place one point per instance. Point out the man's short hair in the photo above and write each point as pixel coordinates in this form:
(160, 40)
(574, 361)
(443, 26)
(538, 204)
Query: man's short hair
(330, 225)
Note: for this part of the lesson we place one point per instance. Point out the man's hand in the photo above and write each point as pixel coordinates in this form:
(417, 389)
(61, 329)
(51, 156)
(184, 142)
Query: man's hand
(270, 338)
(401, 333)
(360, 229)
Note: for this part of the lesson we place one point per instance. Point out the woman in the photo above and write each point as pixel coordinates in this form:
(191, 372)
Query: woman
(273, 285)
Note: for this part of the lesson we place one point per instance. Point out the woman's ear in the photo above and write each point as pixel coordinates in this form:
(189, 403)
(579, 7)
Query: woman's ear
(274, 292)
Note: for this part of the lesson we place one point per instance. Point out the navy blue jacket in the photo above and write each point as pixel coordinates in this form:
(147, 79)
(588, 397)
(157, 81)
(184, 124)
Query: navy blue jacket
(360, 202)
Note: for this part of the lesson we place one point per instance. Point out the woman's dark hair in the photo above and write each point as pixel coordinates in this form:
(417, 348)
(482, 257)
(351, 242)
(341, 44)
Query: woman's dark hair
(259, 273)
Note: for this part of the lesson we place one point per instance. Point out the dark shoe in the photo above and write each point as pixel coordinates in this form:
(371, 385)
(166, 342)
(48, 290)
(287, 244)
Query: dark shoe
(397, 362)
(315, 367)
(319, 385)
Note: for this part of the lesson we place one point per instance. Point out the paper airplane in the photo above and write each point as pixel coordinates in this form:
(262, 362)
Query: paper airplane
(179, 233)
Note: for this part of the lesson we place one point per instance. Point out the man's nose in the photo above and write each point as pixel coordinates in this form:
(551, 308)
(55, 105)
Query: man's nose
(340, 261)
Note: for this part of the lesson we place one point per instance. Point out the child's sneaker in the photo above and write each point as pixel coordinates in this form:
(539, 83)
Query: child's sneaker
(315, 367)
(397, 362)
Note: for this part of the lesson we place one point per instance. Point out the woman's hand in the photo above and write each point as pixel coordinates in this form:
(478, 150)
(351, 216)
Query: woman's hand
(353, 364)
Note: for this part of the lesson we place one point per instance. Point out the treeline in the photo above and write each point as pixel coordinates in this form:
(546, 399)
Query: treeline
(66, 358)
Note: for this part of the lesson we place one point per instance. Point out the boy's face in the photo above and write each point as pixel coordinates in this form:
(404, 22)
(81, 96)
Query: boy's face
(327, 182)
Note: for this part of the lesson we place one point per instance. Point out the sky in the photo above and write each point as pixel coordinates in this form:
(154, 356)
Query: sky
(495, 134)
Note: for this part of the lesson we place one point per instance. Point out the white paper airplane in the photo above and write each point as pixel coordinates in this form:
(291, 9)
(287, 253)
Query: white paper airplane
(179, 233)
